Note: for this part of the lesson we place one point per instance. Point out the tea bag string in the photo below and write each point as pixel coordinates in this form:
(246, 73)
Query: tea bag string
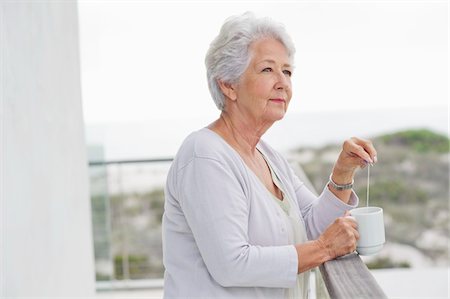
(368, 182)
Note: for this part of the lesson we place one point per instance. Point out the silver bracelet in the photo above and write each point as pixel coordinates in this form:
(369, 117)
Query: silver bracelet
(340, 187)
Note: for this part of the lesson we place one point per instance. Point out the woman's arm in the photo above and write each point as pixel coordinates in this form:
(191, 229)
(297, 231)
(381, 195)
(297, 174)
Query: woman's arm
(320, 211)
(337, 240)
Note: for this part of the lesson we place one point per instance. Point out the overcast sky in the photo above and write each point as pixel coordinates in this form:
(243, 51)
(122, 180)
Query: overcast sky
(145, 60)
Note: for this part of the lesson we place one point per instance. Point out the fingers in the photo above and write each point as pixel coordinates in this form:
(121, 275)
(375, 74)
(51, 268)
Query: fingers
(342, 235)
(349, 222)
(356, 152)
(351, 234)
(353, 224)
(362, 149)
(350, 217)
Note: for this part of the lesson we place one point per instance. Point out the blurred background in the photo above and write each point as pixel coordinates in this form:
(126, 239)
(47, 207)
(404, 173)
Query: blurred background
(119, 85)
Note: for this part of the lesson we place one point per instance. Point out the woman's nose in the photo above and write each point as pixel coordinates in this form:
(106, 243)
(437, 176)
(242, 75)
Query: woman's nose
(283, 81)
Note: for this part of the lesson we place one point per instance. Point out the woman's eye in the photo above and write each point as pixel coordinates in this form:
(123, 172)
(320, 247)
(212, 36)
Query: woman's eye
(287, 72)
(267, 69)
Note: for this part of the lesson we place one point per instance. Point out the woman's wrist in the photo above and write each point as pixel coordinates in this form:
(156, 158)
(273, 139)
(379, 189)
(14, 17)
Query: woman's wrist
(311, 254)
(341, 184)
(340, 187)
(342, 177)
(327, 253)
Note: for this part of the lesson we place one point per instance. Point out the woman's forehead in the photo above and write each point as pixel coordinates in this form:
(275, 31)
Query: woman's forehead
(269, 50)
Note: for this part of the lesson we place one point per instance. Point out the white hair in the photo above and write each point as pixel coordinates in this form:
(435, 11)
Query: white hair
(228, 54)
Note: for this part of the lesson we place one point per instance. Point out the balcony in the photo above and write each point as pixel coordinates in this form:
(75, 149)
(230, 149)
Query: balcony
(46, 248)
(127, 200)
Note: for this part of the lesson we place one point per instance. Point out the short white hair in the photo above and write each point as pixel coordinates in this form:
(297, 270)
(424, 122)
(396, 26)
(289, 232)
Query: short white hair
(228, 54)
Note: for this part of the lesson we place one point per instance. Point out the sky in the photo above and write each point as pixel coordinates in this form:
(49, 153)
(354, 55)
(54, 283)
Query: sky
(144, 60)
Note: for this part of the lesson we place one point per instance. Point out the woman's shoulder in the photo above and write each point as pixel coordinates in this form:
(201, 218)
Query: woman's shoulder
(205, 148)
(204, 143)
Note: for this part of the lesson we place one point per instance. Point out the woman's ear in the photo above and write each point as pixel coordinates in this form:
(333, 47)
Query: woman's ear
(228, 89)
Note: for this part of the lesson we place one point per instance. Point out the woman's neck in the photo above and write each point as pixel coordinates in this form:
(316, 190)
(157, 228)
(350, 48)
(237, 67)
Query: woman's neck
(242, 135)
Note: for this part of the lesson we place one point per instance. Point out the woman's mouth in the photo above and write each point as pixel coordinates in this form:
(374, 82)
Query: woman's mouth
(278, 100)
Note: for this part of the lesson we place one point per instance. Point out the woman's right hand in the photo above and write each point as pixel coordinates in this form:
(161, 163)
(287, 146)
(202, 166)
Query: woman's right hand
(340, 237)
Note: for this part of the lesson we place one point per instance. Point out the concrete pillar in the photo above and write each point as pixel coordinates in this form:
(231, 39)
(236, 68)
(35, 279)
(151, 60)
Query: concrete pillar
(46, 237)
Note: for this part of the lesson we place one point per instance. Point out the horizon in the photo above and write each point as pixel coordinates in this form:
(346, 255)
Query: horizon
(161, 138)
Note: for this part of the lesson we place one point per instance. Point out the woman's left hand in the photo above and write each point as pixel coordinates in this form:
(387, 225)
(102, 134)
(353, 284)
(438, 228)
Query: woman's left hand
(356, 152)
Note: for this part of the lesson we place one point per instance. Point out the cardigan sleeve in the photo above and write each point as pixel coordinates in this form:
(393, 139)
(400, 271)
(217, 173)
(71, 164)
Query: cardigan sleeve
(320, 211)
(214, 204)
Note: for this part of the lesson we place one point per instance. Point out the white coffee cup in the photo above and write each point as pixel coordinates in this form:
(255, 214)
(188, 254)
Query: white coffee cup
(370, 228)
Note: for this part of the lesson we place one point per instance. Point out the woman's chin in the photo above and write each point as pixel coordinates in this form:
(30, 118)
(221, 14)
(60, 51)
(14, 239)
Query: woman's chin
(277, 116)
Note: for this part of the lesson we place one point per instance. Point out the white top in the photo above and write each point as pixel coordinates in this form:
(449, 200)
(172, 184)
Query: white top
(223, 235)
(296, 234)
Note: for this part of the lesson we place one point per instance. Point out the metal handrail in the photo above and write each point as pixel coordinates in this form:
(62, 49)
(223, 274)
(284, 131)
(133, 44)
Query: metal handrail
(135, 161)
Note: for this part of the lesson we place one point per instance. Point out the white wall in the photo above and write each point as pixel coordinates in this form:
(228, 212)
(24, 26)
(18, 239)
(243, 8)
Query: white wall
(46, 238)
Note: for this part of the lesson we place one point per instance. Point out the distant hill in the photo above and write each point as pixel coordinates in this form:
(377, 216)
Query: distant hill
(421, 141)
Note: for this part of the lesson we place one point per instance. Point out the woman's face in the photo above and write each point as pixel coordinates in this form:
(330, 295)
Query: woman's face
(264, 90)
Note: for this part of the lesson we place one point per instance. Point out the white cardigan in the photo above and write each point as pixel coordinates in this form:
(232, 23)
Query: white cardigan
(223, 236)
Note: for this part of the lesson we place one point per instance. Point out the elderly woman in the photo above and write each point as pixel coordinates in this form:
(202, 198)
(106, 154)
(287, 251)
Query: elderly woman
(238, 222)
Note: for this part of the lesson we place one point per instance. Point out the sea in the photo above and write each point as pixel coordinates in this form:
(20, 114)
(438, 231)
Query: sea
(156, 138)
